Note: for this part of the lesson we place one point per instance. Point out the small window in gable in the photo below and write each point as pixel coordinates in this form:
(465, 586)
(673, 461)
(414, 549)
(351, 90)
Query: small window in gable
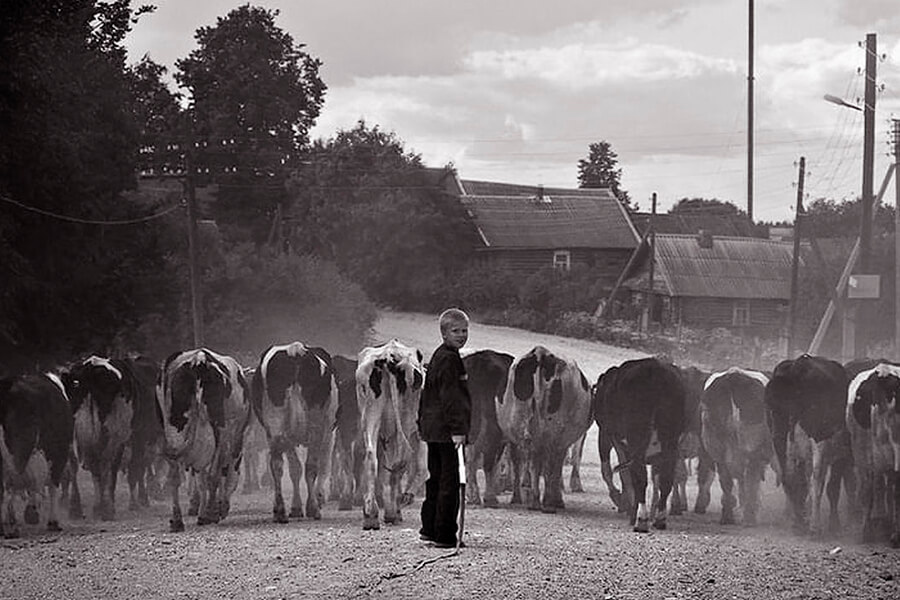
(562, 259)
(740, 315)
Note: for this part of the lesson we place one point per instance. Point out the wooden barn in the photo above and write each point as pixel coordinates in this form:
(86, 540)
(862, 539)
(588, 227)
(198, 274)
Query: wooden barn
(705, 281)
(526, 228)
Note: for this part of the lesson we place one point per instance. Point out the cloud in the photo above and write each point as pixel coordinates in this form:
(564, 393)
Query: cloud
(877, 15)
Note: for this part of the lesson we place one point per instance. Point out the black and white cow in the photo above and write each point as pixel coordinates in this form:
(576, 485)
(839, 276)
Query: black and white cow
(545, 409)
(639, 408)
(807, 399)
(873, 418)
(295, 398)
(204, 402)
(35, 440)
(389, 382)
(114, 406)
(487, 372)
(736, 434)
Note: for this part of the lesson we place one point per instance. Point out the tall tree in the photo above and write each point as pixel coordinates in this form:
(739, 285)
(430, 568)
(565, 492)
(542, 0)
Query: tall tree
(600, 170)
(367, 203)
(158, 113)
(254, 96)
(68, 149)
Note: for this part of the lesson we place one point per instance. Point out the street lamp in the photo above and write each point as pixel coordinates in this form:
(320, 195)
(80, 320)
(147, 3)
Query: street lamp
(841, 102)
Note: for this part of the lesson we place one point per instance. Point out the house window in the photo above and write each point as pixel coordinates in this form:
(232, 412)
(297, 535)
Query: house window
(740, 314)
(562, 259)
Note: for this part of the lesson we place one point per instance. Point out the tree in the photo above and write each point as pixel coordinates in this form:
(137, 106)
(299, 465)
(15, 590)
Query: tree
(160, 120)
(707, 206)
(254, 96)
(365, 202)
(68, 149)
(599, 170)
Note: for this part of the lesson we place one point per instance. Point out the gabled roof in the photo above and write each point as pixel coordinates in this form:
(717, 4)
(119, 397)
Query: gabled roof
(716, 223)
(734, 267)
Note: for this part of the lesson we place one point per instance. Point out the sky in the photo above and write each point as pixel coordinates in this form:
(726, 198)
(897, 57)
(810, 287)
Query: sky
(516, 91)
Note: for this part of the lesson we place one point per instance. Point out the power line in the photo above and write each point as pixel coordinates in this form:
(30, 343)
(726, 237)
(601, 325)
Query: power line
(70, 219)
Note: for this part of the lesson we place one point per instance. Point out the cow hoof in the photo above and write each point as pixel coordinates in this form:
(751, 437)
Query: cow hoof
(642, 526)
(699, 510)
(549, 510)
(491, 503)
(11, 534)
(314, 513)
(370, 524)
(31, 515)
(660, 524)
(676, 510)
(296, 512)
(192, 511)
(76, 511)
(53, 526)
(176, 525)
(895, 540)
(727, 519)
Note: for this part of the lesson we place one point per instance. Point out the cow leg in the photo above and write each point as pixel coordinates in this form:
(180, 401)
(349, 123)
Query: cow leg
(819, 476)
(473, 490)
(833, 489)
(726, 483)
(209, 483)
(553, 471)
(295, 470)
(534, 467)
(392, 497)
(750, 491)
(705, 474)
(490, 463)
(577, 450)
(371, 519)
(176, 523)
(615, 494)
(867, 503)
(637, 469)
(76, 510)
(251, 473)
(229, 485)
(666, 481)
(515, 462)
(679, 489)
(9, 526)
(276, 470)
(53, 509)
(315, 480)
(895, 498)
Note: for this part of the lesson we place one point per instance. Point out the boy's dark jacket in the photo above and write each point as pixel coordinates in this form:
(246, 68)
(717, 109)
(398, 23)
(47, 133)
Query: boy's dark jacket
(445, 407)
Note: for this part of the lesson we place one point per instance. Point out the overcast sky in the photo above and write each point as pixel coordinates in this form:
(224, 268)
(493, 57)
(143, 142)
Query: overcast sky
(515, 91)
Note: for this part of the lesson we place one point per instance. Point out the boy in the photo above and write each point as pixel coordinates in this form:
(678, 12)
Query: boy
(445, 410)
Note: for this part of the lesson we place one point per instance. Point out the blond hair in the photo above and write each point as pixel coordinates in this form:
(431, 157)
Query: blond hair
(452, 316)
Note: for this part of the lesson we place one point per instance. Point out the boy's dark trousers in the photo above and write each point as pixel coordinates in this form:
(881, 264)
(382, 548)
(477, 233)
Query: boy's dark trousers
(441, 493)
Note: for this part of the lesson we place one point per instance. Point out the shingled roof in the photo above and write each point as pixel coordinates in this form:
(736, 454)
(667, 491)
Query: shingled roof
(510, 216)
(733, 267)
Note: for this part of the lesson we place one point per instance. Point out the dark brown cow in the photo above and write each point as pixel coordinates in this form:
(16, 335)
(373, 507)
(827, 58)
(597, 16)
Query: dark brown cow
(114, 407)
(690, 447)
(295, 398)
(204, 402)
(546, 408)
(639, 408)
(736, 434)
(807, 399)
(348, 448)
(35, 438)
(873, 418)
(389, 382)
(487, 372)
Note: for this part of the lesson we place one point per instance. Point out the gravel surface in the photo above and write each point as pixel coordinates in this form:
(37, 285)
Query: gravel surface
(585, 551)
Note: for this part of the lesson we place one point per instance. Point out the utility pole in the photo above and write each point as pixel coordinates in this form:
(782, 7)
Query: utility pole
(650, 295)
(750, 116)
(196, 304)
(868, 176)
(795, 265)
(896, 239)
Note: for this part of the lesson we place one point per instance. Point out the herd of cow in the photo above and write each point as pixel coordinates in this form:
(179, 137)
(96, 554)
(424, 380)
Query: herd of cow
(196, 417)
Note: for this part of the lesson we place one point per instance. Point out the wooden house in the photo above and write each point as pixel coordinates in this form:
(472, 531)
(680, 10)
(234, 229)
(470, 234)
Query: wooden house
(706, 281)
(526, 228)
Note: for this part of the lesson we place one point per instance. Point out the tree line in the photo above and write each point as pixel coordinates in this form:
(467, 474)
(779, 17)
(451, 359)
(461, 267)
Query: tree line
(298, 237)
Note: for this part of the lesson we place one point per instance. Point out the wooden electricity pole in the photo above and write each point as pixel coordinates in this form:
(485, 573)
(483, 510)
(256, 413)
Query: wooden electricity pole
(795, 265)
(750, 115)
(191, 201)
(896, 239)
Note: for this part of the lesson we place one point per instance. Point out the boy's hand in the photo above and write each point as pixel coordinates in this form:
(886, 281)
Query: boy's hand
(458, 440)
